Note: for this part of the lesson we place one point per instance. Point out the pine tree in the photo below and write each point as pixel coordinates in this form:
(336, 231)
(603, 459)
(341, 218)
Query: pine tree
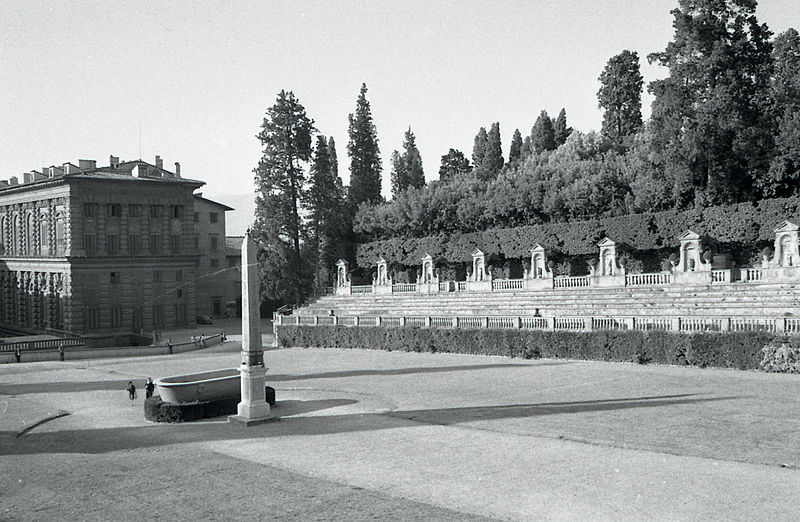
(454, 164)
(560, 130)
(543, 134)
(527, 148)
(516, 147)
(620, 96)
(286, 140)
(365, 160)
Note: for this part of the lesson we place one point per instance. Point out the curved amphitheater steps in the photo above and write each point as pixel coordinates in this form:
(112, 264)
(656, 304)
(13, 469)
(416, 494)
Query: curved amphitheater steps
(718, 300)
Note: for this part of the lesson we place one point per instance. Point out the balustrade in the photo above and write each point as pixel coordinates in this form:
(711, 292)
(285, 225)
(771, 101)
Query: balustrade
(653, 279)
(361, 289)
(508, 284)
(534, 323)
(399, 288)
(720, 276)
(752, 274)
(571, 282)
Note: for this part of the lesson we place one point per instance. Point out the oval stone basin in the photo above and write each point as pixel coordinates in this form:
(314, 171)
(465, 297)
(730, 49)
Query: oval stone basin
(196, 387)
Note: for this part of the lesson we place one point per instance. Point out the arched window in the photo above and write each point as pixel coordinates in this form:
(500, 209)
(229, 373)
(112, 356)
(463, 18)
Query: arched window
(61, 244)
(3, 224)
(44, 234)
(30, 235)
(17, 235)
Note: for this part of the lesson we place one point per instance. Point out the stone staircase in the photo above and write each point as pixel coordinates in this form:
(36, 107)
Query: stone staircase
(728, 300)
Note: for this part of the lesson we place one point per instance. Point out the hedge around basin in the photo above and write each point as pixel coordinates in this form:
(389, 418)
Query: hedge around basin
(741, 350)
(157, 410)
(739, 225)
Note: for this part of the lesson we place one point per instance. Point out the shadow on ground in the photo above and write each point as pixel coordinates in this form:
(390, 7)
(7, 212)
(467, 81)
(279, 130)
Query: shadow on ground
(109, 385)
(93, 441)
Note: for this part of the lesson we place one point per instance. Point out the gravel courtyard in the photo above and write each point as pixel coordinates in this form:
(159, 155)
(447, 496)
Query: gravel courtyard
(367, 435)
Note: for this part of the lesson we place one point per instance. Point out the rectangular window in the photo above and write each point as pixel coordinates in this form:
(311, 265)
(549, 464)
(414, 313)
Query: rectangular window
(157, 276)
(133, 210)
(155, 244)
(180, 313)
(196, 243)
(116, 317)
(133, 245)
(158, 316)
(92, 319)
(179, 275)
(88, 209)
(88, 244)
(214, 262)
(137, 318)
(175, 244)
(112, 244)
(176, 211)
(214, 243)
(155, 211)
(114, 278)
(61, 242)
(213, 217)
(114, 210)
(44, 236)
(197, 217)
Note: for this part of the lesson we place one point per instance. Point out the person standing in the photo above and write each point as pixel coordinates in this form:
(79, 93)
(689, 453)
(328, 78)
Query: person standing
(149, 386)
(131, 392)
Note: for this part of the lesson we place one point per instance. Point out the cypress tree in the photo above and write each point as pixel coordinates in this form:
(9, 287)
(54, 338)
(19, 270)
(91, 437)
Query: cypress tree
(516, 147)
(620, 96)
(543, 134)
(399, 174)
(479, 148)
(560, 130)
(493, 160)
(415, 176)
(365, 160)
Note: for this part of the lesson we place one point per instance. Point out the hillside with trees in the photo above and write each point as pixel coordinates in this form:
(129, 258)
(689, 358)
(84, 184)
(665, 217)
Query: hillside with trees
(724, 132)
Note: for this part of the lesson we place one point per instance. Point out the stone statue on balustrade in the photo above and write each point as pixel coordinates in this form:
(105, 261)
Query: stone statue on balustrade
(381, 280)
(784, 264)
(479, 278)
(540, 275)
(694, 262)
(343, 282)
(609, 271)
(428, 279)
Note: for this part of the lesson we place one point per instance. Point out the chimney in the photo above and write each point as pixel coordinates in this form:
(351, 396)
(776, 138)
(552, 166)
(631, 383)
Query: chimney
(3, 183)
(113, 161)
(159, 162)
(177, 169)
(87, 164)
(13, 180)
(27, 177)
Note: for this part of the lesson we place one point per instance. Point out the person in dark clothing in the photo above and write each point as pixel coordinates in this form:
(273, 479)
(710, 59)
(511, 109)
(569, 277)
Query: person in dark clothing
(149, 386)
(131, 391)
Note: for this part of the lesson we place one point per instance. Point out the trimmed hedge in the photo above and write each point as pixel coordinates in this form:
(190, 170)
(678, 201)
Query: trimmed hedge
(739, 224)
(157, 410)
(742, 350)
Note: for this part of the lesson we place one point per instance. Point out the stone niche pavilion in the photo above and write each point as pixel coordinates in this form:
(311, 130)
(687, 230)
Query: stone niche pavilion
(539, 276)
(382, 281)
(691, 267)
(608, 272)
(427, 280)
(343, 282)
(479, 279)
(784, 266)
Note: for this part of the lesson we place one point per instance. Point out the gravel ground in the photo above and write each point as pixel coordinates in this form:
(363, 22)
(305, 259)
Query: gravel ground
(389, 435)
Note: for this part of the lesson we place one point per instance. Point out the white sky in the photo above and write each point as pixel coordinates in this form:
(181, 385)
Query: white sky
(78, 79)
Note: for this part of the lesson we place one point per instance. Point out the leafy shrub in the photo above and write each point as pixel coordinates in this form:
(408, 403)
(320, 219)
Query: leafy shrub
(780, 357)
(742, 350)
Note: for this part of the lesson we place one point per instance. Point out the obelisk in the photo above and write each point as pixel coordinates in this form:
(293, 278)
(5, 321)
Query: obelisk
(253, 409)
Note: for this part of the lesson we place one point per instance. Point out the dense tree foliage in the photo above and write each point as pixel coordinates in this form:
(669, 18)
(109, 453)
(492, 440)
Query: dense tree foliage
(543, 135)
(620, 96)
(560, 129)
(454, 164)
(365, 157)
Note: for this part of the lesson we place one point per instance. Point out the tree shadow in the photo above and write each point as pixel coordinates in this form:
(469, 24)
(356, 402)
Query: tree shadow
(102, 440)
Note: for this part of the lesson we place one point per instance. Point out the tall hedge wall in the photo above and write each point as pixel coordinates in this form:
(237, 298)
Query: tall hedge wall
(743, 223)
(725, 350)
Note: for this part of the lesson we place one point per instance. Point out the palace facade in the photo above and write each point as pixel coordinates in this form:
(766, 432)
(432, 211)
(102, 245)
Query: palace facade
(86, 248)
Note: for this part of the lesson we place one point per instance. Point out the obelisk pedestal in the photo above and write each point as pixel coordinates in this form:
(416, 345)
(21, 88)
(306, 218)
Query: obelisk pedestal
(253, 408)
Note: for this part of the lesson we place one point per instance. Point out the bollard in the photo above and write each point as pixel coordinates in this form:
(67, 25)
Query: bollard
(17, 354)
(61, 351)
(169, 345)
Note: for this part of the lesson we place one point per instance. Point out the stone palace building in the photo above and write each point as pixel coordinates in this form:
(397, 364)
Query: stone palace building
(86, 248)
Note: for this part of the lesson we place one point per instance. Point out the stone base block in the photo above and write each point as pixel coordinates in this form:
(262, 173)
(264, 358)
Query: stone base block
(243, 421)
